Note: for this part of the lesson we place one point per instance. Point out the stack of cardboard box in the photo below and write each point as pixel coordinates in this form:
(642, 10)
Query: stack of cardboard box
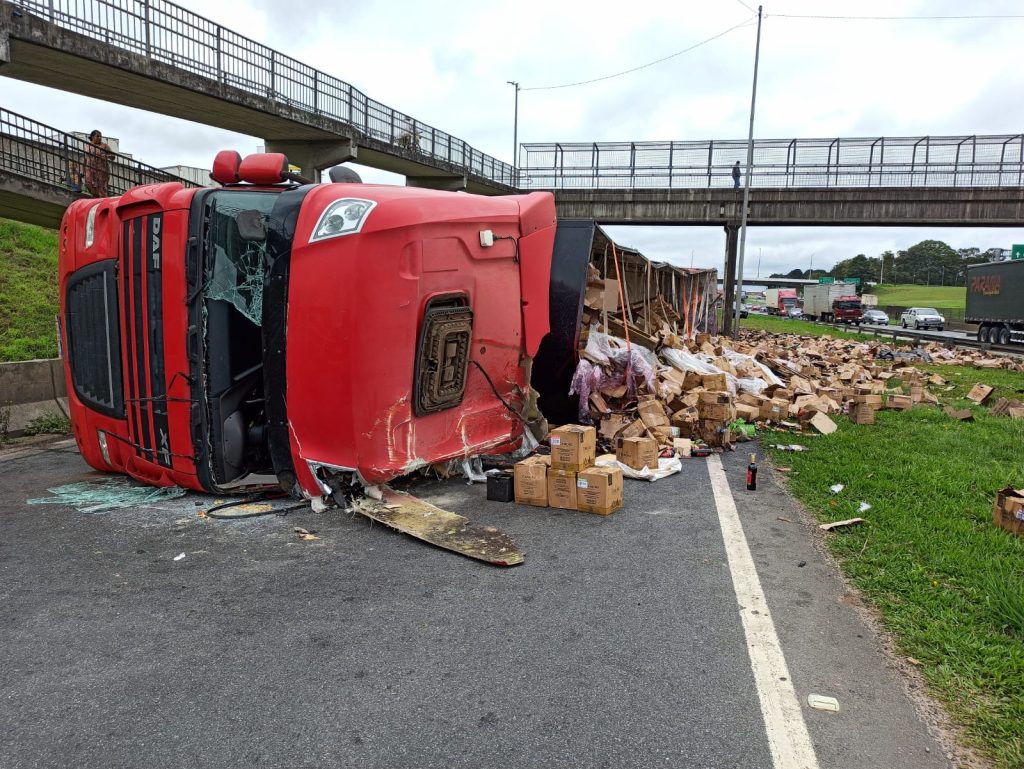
(568, 478)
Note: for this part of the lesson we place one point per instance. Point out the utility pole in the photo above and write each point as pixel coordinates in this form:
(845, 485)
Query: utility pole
(515, 134)
(746, 187)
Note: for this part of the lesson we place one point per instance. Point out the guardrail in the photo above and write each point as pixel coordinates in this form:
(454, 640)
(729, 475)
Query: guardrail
(896, 332)
(168, 33)
(40, 152)
(925, 161)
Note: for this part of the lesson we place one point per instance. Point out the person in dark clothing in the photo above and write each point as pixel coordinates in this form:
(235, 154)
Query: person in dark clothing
(736, 175)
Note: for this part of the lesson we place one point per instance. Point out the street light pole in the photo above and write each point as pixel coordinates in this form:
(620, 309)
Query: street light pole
(746, 187)
(515, 133)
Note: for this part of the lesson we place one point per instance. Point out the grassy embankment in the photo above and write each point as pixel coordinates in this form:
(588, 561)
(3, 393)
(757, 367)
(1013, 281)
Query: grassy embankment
(948, 583)
(779, 325)
(937, 297)
(28, 292)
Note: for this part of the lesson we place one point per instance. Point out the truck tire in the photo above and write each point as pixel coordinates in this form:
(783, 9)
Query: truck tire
(992, 335)
(1004, 335)
(982, 333)
(903, 323)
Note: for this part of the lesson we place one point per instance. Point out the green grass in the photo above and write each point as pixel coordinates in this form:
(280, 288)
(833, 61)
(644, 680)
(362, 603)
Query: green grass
(28, 292)
(949, 584)
(938, 297)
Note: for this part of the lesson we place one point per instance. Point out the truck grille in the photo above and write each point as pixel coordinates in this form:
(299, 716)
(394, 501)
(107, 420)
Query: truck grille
(141, 287)
(94, 339)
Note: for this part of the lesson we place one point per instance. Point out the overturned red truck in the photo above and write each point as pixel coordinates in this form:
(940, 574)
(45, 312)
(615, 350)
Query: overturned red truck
(270, 331)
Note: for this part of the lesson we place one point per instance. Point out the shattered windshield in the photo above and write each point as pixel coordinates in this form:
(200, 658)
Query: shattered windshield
(236, 265)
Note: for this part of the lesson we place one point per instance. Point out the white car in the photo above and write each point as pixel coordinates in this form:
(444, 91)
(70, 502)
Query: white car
(922, 317)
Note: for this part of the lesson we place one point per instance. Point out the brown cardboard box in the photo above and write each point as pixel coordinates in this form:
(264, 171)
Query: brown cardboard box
(531, 481)
(899, 402)
(823, 424)
(1009, 511)
(612, 425)
(714, 433)
(964, 415)
(748, 413)
(638, 453)
(980, 393)
(776, 409)
(682, 446)
(868, 400)
(573, 447)
(916, 393)
(599, 490)
(716, 382)
(562, 489)
(652, 413)
(862, 414)
(716, 407)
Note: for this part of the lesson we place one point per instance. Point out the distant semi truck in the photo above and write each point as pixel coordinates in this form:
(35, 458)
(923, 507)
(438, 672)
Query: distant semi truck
(832, 302)
(780, 300)
(995, 301)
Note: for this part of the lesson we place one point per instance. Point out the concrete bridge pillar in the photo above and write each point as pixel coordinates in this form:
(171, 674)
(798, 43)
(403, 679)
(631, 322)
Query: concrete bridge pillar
(313, 157)
(732, 232)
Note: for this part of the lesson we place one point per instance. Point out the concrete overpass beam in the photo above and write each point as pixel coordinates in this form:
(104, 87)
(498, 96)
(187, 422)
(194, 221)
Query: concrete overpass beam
(313, 157)
(449, 183)
(5, 47)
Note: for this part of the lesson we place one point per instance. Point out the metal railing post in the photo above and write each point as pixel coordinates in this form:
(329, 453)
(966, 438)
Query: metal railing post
(927, 156)
(316, 91)
(220, 63)
(145, 25)
(881, 161)
(711, 149)
(671, 161)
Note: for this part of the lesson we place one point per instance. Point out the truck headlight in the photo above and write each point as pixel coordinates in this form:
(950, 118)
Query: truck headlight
(102, 438)
(90, 226)
(342, 217)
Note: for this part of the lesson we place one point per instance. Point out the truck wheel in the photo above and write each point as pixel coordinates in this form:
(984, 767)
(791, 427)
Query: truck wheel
(917, 326)
(941, 328)
(993, 334)
(982, 333)
(903, 323)
(1004, 335)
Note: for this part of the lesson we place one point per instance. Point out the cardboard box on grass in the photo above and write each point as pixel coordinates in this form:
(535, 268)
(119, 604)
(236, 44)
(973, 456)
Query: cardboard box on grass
(573, 447)
(562, 489)
(862, 414)
(638, 453)
(599, 490)
(1009, 511)
(531, 481)
(980, 393)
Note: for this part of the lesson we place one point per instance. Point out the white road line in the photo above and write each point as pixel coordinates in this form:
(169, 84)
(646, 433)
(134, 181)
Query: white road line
(788, 739)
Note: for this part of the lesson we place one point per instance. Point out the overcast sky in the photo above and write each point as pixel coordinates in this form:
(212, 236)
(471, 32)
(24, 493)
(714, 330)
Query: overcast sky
(447, 63)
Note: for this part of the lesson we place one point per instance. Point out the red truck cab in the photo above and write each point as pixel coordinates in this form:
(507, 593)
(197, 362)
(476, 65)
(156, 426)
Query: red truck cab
(268, 332)
(847, 309)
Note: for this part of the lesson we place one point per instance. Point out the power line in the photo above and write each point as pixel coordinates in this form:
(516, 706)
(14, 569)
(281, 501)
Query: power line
(889, 18)
(746, 6)
(744, 23)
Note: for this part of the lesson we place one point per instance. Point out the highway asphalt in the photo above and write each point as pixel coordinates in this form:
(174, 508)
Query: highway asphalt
(618, 643)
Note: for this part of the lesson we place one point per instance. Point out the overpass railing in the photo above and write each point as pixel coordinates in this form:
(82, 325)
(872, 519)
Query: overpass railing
(926, 161)
(168, 33)
(44, 154)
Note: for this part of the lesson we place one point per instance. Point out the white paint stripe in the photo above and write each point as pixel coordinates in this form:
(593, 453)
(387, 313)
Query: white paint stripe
(788, 739)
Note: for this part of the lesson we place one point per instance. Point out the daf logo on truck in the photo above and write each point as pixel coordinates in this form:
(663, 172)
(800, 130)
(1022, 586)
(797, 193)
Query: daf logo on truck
(156, 241)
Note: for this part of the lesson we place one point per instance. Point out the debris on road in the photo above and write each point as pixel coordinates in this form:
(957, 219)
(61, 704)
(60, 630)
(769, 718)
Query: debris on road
(836, 488)
(841, 524)
(179, 557)
(821, 702)
(864, 507)
(445, 529)
(107, 494)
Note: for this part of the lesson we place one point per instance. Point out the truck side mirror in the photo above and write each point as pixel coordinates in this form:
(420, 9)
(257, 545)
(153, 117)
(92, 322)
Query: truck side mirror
(251, 226)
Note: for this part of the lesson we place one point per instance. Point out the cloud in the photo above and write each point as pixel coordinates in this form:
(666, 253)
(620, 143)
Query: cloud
(448, 66)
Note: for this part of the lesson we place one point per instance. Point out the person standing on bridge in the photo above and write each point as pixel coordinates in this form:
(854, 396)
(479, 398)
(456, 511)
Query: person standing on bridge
(736, 175)
(97, 165)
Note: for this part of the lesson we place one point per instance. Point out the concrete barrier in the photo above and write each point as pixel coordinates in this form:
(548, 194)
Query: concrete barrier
(30, 389)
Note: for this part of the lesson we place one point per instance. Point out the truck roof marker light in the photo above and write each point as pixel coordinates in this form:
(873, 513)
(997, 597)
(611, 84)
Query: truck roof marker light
(225, 167)
(90, 226)
(264, 168)
(342, 217)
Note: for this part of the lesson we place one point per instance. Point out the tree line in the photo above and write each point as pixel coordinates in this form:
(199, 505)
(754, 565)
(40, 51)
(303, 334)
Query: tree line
(930, 262)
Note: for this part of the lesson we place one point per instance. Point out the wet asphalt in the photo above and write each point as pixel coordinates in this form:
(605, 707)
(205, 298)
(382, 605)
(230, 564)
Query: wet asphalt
(618, 643)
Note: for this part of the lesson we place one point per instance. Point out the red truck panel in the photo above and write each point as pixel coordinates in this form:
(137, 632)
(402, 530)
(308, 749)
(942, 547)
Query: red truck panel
(354, 314)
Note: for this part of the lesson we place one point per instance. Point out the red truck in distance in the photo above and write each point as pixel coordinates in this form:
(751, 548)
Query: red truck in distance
(270, 331)
(781, 300)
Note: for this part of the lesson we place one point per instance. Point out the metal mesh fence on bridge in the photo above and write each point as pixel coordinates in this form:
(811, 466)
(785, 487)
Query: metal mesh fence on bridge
(44, 154)
(927, 161)
(172, 35)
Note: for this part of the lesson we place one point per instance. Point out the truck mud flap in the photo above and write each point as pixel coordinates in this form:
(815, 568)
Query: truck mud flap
(442, 528)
